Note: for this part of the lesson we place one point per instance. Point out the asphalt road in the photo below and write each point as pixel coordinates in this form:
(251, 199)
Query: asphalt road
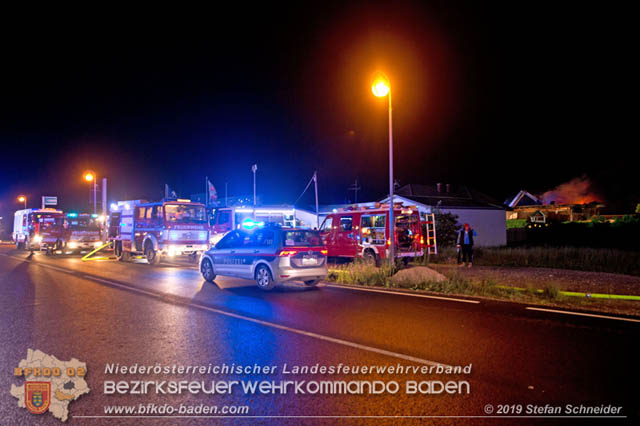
(111, 312)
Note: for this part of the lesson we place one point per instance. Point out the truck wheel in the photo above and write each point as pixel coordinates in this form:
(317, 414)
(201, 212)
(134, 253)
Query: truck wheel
(311, 283)
(370, 257)
(153, 257)
(206, 268)
(264, 278)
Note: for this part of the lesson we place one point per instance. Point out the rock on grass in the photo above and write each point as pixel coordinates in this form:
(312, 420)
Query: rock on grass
(410, 277)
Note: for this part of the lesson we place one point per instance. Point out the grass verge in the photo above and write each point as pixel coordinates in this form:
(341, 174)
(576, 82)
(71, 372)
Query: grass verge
(578, 258)
(358, 273)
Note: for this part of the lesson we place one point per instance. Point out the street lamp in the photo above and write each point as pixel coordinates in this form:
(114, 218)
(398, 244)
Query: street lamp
(254, 169)
(90, 177)
(23, 199)
(381, 87)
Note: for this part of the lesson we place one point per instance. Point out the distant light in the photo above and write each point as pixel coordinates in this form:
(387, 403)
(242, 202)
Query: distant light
(114, 206)
(22, 198)
(72, 214)
(126, 206)
(380, 86)
(94, 215)
(89, 177)
(335, 210)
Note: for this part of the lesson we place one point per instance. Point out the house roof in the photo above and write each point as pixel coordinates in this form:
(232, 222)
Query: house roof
(523, 198)
(448, 195)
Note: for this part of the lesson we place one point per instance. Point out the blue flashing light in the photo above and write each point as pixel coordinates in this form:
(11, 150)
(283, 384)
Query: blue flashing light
(94, 215)
(72, 214)
(249, 223)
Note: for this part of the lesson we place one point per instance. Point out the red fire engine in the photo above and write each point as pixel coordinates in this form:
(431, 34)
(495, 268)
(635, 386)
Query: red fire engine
(360, 232)
(172, 227)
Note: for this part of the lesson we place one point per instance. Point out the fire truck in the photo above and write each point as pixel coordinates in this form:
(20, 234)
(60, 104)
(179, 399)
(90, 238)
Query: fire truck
(37, 228)
(171, 227)
(225, 219)
(81, 233)
(361, 232)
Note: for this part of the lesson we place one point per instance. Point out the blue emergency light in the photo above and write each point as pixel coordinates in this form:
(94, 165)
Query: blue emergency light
(249, 223)
(72, 214)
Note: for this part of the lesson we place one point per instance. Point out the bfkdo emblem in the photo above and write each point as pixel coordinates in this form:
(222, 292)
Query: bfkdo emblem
(37, 396)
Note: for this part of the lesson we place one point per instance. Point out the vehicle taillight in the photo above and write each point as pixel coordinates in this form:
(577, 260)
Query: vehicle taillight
(389, 242)
(421, 240)
(325, 252)
(287, 253)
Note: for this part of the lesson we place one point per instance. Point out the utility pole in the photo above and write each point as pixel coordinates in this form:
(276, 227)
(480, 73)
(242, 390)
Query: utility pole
(355, 188)
(315, 180)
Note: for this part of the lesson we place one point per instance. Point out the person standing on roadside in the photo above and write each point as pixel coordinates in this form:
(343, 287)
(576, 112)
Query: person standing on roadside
(465, 245)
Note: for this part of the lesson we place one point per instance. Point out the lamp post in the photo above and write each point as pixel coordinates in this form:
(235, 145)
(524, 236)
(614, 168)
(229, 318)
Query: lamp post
(380, 87)
(254, 169)
(23, 199)
(91, 178)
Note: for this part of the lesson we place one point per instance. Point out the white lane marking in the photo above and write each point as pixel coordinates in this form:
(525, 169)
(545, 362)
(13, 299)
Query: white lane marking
(69, 271)
(582, 314)
(277, 326)
(400, 293)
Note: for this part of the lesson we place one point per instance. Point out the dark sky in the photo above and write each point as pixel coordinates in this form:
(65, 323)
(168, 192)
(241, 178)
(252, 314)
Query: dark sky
(497, 96)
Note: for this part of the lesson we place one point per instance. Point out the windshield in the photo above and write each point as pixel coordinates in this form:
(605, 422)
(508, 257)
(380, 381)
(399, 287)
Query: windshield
(83, 224)
(180, 213)
(49, 222)
(302, 238)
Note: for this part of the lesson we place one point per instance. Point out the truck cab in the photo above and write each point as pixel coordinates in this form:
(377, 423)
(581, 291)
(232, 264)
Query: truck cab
(81, 233)
(35, 229)
(169, 228)
(364, 233)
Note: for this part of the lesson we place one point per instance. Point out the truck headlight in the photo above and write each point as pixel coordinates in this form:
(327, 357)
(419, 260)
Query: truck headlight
(37, 238)
(72, 245)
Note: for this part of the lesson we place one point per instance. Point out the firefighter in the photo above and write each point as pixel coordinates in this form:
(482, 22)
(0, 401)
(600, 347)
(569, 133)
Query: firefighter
(465, 245)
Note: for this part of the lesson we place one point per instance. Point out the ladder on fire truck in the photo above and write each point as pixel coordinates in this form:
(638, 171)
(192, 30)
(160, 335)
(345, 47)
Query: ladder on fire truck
(430, 239)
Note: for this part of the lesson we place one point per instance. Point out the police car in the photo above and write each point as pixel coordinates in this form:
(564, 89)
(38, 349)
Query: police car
(270, 255)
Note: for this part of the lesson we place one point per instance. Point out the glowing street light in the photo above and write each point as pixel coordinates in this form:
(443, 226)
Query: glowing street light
(23, 199)
(381, 87)
(90, 177)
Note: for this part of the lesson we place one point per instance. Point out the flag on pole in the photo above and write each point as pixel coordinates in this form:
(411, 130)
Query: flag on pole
(212, 193)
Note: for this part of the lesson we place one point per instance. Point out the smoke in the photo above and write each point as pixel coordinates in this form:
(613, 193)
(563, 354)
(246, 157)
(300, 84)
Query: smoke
(576, 191)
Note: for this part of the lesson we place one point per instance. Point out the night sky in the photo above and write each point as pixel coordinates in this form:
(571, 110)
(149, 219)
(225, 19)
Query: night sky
(497, 96)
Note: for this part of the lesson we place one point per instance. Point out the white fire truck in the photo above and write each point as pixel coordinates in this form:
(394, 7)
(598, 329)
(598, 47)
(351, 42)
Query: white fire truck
(171, 227)
(37, 228)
